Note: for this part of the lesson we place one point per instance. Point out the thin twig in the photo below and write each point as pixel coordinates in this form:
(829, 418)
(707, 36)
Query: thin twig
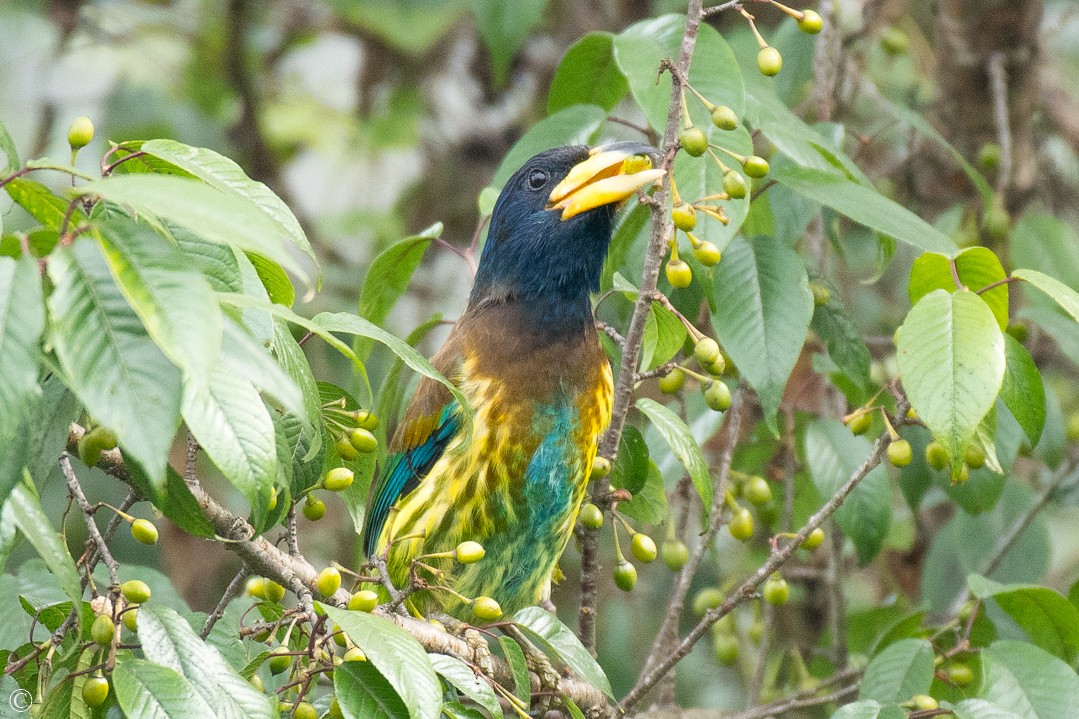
(730, 5)
(75, 489)
(234, 589)
(998, 91)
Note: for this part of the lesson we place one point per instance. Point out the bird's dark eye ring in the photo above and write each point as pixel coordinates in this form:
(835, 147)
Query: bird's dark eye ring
(537, 179)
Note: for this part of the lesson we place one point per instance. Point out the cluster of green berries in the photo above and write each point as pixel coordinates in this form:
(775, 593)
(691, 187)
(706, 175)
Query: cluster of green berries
(356, 429)
(710, 357)
(103, 632)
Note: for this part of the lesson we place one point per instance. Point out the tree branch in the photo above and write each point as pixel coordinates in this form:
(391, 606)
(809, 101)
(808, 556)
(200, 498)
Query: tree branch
(75, 489)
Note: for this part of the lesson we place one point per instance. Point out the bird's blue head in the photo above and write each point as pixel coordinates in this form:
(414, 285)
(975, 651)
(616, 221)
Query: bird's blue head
(552, 224)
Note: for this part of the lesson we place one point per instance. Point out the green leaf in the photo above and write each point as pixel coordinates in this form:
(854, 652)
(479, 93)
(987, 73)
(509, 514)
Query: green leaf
(1022, 389)
(1048, 618)
(504, 27)
(899, 672)
(234, 428)
(363, 693)
(977, 267)
(561, 644)
(833, 324)
(588, 75)
(761, 311)
(682, 443)
(38, 530)
(217, 216)
(870, 709)
(151, 691)
(388, 278)
(630, 470)
(41, 203)
(397, 656)
(1065, 296)
(865, 206)
(574, 125)
(714, 72)
(1048, 245)
(461, 676)
(216, 263)
(174, 302)
(1029, 681)
(109, 360)
(244, 355)
(222, 173)
(981, 709)
(168, 640)
(278, 286)
(649, 503)
(175, 501)
(664, 335)
(10, 154)
(833, 455)
(515, 657)
(951, 359)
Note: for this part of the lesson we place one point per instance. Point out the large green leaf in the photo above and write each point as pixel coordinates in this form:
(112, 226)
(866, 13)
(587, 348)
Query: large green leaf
(151, 691)
(1048, 618)
(504, 27)
(981, 709)
(1062, 294)
(561, 644)
(588, 75)
(224, 174)
(234, 428)
(762, 308)
(714, 72)
(41, 203)
(951, 359)
(1022, 389)
(977, 267)
(397, 656)
(174, 302)
(834, 325)
(1048, 245)
(168, 640)
(244, 355)
(212, 214)
(833, 454)
(108, 358)
(574, 125)
(683, 445)
(38, 530)
(870, 709)
(865, 206)
(899, 672)
(1029, 681)
(461, 676)
(363, 693)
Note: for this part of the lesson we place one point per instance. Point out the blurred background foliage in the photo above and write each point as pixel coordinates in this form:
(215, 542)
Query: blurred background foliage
(374, 119)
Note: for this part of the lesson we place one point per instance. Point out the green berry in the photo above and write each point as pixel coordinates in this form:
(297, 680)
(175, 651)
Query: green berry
(143, 530)
(776, 591)
(338, 479)
(936, 456)
(328, 581)
(715, 368)
(106, 438)
(675, 554)
(89, 450)
(364, 600)
(693, 141)
(591, 516)
(643, 548)
(305, 710)
(757, 491)
(724, 118)
(718, 395)
(684, 216)
(679, 274)
(256, 587)
(924, 702)
(334, 711)
(734, 184)
(625, 576)
(707, 254)
(811, 22)
(135, 591)
(80, 133)
(899, 453)
(996, 222)
(860, 423)
(486, 609)
(601, 467)
(1071, 428)
(821, 294)
(989, 156)
(726, 649)
(894, 41)
(272, 504)
(130, 618)
(273, 592)
(673, 381)
(756, 167)
(769, 61)
(706, 351)
(756, 632)
(707, 598)
(964, 475)
(363, 441)
(366, 419)
(741, 524)
(345, 449)
(102, 630)
(469, 552)
(280, 660)
(354, 654)
(314, 508)
(974, 457)
(960, 674)
(814, 539)
(95, 691)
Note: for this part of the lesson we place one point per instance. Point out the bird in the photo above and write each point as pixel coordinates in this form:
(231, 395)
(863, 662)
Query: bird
(526, 355)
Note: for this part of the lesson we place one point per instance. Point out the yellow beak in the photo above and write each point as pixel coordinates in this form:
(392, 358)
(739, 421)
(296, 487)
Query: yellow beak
(610, 174)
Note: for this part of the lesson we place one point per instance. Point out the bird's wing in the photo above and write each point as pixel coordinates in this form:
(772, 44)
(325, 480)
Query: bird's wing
(430, 423)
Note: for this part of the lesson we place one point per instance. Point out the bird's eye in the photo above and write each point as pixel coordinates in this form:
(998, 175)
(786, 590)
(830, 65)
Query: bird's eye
(537, 179)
